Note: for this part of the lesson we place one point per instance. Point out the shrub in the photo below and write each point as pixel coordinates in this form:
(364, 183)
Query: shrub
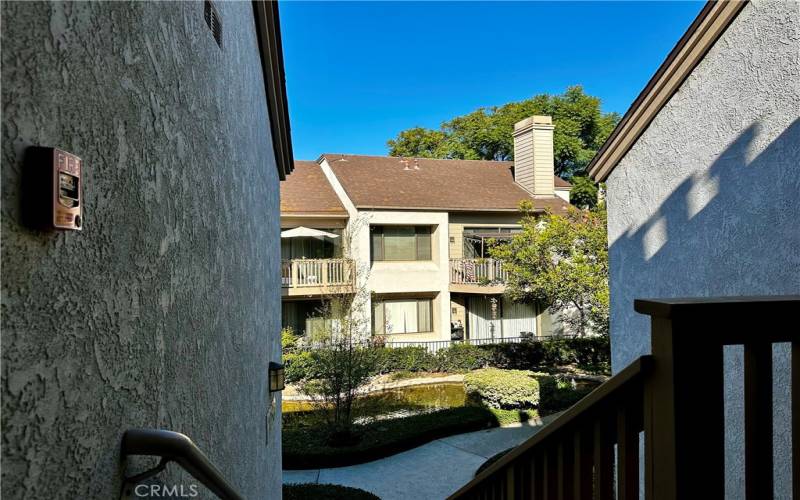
(562, 398)
(505, 389)
(411, 359)
(557, 393)
(587, 353)
(289, 339)
(592, 353)
(299, 366)
(516, 356)
(461, 358)
(557, 352)
(325, 492)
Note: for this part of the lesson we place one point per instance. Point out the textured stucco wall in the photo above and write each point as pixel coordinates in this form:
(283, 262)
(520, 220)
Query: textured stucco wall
(706, 202)
(164, 311)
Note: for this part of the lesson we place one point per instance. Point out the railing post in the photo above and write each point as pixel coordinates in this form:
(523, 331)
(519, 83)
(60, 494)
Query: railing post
(324, 265)
(683, 407)
(758, 420)
(295, 273)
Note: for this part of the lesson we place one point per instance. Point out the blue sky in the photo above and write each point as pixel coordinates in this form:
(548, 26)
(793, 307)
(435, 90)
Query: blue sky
(357, 73)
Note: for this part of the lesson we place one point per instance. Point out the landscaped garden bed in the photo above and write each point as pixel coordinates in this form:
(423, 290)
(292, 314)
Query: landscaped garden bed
(590, 355)
(404, 418)
(406, 397)
(308, 446)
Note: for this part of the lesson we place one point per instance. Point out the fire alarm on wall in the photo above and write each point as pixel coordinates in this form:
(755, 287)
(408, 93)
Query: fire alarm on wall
(54, 189)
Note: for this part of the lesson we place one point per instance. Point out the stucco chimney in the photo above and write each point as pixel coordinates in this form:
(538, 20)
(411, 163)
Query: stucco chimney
(533, 155)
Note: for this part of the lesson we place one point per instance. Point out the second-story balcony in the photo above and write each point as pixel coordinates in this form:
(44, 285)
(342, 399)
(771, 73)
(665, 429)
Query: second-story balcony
(477, 276)
(304, 277)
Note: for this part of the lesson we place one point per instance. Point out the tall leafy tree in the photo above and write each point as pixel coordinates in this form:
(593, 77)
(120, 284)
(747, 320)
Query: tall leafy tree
(560, 261)
(584, 192)
(486, 133)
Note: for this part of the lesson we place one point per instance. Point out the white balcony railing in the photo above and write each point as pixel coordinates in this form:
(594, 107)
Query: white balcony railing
(476, 272)
(317, 273)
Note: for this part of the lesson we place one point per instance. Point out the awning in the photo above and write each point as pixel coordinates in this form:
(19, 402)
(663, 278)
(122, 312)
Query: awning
(306, 232)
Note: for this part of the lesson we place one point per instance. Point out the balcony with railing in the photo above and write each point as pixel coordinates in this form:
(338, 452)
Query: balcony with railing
(671, 412)
(477, 276)
(305, 277)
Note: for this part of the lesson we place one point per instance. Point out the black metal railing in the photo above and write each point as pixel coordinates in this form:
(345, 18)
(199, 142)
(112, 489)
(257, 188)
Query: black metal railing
(434, 345)
(675, 399)
(173, 447)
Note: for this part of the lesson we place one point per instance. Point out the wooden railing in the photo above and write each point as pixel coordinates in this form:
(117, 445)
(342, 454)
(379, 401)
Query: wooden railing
(476, 271)
(317, 273)
(675, 399)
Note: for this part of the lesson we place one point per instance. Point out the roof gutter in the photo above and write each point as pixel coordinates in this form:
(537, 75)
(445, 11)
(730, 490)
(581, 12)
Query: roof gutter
(704, 31)
(442, 209)
(269, 45)
(327, 215)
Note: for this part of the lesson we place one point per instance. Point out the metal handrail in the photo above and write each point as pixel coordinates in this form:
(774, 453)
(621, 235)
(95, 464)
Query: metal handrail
(178, 448)
(435, 345)
(477, 271)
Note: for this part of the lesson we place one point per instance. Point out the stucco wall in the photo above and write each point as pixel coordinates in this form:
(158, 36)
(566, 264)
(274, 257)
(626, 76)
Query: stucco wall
(706, 202)
(164, 311)
(410, 276)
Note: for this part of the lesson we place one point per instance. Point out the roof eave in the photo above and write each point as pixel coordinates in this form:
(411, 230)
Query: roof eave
(705, 30)
(331, 215)
(268, 32)
(442, 209)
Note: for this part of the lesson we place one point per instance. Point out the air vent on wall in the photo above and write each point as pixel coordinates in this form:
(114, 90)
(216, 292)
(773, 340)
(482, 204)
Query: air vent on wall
(213, 21)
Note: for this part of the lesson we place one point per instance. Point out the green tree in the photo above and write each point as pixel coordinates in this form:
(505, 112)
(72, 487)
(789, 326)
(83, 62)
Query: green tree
(583, 193)
(418, 142)
(560, 261)
(344, 360)
(486, 133)
(341, 349)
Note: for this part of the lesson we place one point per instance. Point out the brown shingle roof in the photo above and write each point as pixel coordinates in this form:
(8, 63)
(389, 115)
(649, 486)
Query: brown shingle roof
(307, 191)
(382, 182)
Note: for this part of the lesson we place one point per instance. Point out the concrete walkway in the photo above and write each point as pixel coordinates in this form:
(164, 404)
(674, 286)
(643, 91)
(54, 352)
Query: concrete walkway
(430, 472)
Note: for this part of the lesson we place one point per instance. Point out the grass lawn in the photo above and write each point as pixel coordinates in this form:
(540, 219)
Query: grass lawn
(324, 492)
(307, 447)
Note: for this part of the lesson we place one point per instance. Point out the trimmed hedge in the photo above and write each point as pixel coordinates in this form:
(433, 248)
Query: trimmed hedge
(462, 358)
(308, 447)
(412, 359)
(505, 389)
(325, 492)
(591, 354)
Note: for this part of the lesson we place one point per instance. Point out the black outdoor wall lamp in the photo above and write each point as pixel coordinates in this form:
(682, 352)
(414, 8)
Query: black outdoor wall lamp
(276, 377)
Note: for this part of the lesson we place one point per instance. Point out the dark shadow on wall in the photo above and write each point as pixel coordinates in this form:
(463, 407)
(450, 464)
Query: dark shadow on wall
(732, 229)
